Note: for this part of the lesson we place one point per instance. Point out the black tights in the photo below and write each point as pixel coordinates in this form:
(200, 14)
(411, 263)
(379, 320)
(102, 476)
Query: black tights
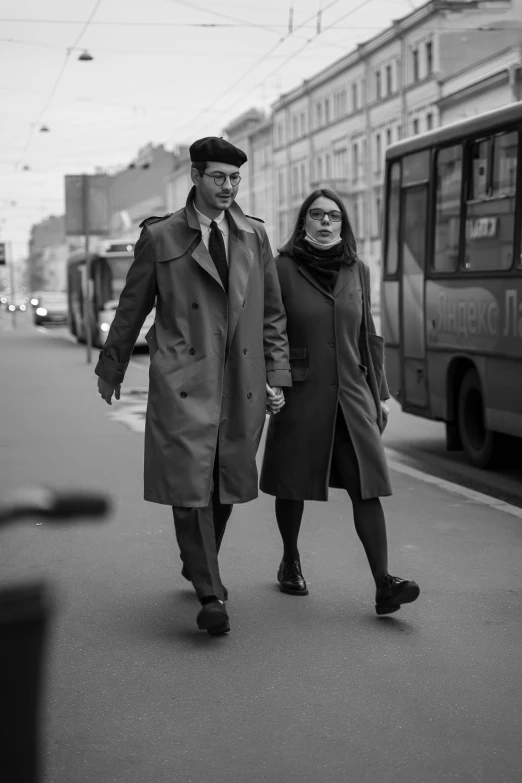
(368, 514)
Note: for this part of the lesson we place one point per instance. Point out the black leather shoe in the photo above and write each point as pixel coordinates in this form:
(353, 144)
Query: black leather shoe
(393, 592)
(213, 618)
(291, 579)
(185, 575)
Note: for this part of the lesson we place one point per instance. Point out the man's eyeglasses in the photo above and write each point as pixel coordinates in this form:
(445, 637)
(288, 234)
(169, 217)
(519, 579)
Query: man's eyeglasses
(220, 179)
(318, 214)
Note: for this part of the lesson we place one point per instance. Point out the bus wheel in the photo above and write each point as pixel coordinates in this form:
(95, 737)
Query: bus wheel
(480, 444)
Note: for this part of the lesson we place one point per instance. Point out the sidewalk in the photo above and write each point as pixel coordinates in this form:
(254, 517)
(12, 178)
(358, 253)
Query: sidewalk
(302, 690)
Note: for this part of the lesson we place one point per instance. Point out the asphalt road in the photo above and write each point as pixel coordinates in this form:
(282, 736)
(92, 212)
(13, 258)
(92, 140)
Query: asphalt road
(303, 689)
(419, 442)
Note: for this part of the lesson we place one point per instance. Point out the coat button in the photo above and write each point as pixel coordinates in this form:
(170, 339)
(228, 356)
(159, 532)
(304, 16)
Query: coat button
(245, 351)
(183, 394)
(331, 344)
(334, 385)
(195, 305)
(192, 352)
(249, 395)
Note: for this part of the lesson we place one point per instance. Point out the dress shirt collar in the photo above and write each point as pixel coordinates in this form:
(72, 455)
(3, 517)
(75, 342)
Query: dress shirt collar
(206, 221)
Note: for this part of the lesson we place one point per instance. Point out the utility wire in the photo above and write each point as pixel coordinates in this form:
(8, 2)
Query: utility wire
(290, 57)
(53, 91)
(252, 68)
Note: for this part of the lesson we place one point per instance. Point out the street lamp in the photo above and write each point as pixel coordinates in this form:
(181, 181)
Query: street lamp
(85, 56)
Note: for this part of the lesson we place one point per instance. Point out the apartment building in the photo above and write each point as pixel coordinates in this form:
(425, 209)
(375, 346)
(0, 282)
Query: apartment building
(333, 129)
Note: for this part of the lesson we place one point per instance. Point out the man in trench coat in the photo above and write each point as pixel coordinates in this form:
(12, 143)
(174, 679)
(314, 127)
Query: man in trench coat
(218, 340)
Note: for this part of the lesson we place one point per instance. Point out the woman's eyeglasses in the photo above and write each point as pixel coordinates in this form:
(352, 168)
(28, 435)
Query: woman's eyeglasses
(220, 179)
(318, 214)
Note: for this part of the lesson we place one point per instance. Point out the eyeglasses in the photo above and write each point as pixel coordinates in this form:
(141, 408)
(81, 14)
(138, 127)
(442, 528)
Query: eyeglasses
(318, 214)
(220, 179)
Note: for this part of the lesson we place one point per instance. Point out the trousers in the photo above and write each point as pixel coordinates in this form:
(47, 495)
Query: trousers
(199, 532)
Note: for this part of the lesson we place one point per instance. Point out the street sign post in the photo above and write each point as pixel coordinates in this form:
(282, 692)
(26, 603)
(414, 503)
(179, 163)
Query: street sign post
(87, 213)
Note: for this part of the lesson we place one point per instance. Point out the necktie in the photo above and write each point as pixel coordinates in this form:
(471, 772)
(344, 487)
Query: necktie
(216, 248)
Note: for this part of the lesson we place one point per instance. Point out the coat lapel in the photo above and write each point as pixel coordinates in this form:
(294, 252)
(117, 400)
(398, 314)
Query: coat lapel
(311, 279)
(240, 262)
(343, 278)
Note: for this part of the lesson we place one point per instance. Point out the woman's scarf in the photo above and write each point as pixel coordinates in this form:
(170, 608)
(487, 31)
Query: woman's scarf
(324, 264)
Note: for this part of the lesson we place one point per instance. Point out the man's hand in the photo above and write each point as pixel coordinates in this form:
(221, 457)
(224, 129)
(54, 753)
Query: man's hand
(107, 389)
(275, 399)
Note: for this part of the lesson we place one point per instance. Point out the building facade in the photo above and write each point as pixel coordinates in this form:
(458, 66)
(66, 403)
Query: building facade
(333, 130)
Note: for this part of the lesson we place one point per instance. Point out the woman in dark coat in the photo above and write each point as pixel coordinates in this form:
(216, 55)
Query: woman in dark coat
(327, 433)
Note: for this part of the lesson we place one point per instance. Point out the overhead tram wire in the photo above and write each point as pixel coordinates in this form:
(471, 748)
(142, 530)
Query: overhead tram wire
(253, 67)
(53, 91)
(285, 62)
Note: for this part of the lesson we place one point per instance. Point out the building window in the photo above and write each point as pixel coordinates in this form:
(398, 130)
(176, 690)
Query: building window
(303, 124)
(280, 138)
(295, 126)
(355, 162)
(328, 172)
(415, 64)
(388, 136)
(378, 86)
(377, 214)
(389, 82)
(429, 57)
(295, 182)
(378, 152)
(339, 104)
(304, 183)
(429, 121)
(319, 110)
(415, 127)
(340, 164)
(327, 110)
(281, 186)
(319, 168)
(355, 97)
(399, 131)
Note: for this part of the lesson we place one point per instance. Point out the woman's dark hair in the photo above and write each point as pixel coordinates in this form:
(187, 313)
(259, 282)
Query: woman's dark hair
(350, 245)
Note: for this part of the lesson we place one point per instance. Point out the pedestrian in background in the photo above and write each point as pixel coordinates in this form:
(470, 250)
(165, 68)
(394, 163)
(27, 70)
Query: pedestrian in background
(329, 432)
(219, 337)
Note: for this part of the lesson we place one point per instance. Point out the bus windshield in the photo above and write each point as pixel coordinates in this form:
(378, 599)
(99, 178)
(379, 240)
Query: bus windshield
(109, 275)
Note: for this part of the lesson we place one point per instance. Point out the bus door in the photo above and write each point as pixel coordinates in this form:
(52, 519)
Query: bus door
(412, 250)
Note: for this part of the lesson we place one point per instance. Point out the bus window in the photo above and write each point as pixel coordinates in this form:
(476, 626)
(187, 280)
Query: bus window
(490, 218)
(392, 219)
(416, 168)
(478, 184)
(447, 218)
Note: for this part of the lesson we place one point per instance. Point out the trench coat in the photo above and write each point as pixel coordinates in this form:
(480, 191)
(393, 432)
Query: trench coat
(196, 399)
(297, 463)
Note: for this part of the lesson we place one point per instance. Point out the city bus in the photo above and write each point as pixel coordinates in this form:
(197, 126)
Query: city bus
(109, 263)
(451, 288)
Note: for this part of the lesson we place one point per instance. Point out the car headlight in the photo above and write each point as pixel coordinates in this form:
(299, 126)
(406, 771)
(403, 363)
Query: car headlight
(34, 302)
(12, 308)
(105, 327)
(41, 311)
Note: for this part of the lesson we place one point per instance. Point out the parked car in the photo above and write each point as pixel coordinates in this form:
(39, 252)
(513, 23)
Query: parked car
(51, 308)
(15, 303)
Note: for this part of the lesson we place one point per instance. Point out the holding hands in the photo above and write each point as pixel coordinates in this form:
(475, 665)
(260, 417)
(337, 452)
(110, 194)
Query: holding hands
(275, 399)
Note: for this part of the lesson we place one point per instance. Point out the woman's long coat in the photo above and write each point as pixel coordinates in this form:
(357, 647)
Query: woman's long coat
(298, 452)
(194, 396)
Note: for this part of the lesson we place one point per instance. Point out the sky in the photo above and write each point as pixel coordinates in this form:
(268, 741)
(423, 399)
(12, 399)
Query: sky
(164, 71)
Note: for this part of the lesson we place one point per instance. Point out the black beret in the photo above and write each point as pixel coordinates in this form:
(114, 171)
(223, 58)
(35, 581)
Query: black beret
(218, 150)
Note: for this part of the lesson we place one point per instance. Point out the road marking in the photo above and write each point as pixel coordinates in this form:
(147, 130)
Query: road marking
(394, 462)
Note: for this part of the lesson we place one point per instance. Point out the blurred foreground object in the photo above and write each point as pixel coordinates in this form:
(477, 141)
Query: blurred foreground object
(25, 611)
